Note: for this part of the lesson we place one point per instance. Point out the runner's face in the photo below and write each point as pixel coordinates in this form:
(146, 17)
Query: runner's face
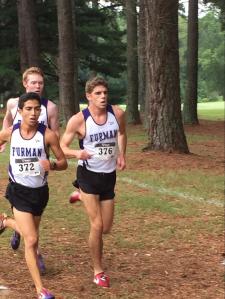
(98, 97)
(30, 112)
(34, 83)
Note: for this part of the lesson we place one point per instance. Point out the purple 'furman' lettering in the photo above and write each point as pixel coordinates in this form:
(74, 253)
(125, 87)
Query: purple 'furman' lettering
(103, 135)
(26, 152)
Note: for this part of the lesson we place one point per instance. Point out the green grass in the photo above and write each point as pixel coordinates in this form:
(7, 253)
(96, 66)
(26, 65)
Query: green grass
(211, 110)
(176, 192)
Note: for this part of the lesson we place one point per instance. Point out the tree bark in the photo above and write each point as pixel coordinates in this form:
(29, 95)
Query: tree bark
(141, 57)
(76, 60)
(22, 39)
(133, 116)
(66, 59)
(165, 131)
(31, 33)
(190, 114)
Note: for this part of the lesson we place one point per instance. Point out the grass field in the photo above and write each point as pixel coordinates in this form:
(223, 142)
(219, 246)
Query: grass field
(211, 110)
(167, 236)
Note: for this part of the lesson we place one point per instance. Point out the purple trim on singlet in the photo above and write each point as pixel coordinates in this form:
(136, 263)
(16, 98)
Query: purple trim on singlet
(86, 113)
(10, 171)
(81, 144)
(41, 128)
(16, 126)
(110, 109)
(44, 102)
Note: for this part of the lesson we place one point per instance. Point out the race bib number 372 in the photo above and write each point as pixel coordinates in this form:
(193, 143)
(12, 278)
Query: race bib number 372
(27, 166)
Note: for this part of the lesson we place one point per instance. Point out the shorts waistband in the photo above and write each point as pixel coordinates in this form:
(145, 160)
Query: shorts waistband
(19, 185)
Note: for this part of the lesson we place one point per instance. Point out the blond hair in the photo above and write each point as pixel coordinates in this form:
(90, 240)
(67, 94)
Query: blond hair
(93, 82)
(32, 70)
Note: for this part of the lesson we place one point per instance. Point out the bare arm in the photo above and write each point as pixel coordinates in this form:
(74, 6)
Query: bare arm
(53, 118)
(75, 126)
(5, 135)
(122, 137)
(51, 140)
(8, 118)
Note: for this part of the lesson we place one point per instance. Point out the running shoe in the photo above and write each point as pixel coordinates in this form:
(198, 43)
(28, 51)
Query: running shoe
(15, 240)
(74, 197)
(102, 280)
(41, 264)
(45, 294)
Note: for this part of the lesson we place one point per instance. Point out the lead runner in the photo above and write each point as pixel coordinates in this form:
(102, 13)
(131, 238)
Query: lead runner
(102, 136)
(27, 192)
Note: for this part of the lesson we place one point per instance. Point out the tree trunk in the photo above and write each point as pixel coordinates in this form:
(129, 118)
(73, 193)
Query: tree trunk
(76, 60)
(66, 59)
(166, 131)
(133, 116)
(190, 115)
(22, 39)
(31, 33)
(141, 58)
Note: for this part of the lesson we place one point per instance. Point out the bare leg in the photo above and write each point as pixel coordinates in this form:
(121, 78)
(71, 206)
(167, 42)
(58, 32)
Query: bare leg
(28, 226)
(92, 205)
(107, 212)
(11, 223)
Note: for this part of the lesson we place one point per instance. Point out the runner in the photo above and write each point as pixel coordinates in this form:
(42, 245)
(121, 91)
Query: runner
(33, 81)
(102, 137)
(27, 190)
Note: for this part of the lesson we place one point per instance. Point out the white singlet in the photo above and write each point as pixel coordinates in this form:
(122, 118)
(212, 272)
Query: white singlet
(24, 167)
(101, 140)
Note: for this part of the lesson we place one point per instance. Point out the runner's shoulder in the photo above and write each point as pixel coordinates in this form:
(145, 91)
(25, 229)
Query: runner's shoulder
(12, 102)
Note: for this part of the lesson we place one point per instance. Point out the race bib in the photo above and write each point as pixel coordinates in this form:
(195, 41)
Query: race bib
(27, 167)
(105, 151)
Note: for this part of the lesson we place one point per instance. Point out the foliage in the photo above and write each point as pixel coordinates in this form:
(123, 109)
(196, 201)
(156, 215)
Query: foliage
(220, 5)
(211, 50)
(100, 46)
(8, 49)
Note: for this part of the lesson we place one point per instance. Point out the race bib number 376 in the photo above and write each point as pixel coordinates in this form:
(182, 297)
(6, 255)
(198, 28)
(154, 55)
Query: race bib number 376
(105, 151)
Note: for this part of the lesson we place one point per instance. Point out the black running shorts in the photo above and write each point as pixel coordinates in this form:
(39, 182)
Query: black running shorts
(90, 182)
(25, 199)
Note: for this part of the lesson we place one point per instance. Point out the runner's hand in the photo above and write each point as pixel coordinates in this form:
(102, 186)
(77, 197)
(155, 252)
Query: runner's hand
(121, 162)
(84, 155)
(45, 164)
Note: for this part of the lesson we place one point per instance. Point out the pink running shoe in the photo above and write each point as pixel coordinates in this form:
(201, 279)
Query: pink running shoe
(102, 280)
(74, 197)
(45, 294)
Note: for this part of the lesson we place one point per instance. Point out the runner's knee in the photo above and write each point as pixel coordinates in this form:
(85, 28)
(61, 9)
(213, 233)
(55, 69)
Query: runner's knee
(97, 225)
(31, 241)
